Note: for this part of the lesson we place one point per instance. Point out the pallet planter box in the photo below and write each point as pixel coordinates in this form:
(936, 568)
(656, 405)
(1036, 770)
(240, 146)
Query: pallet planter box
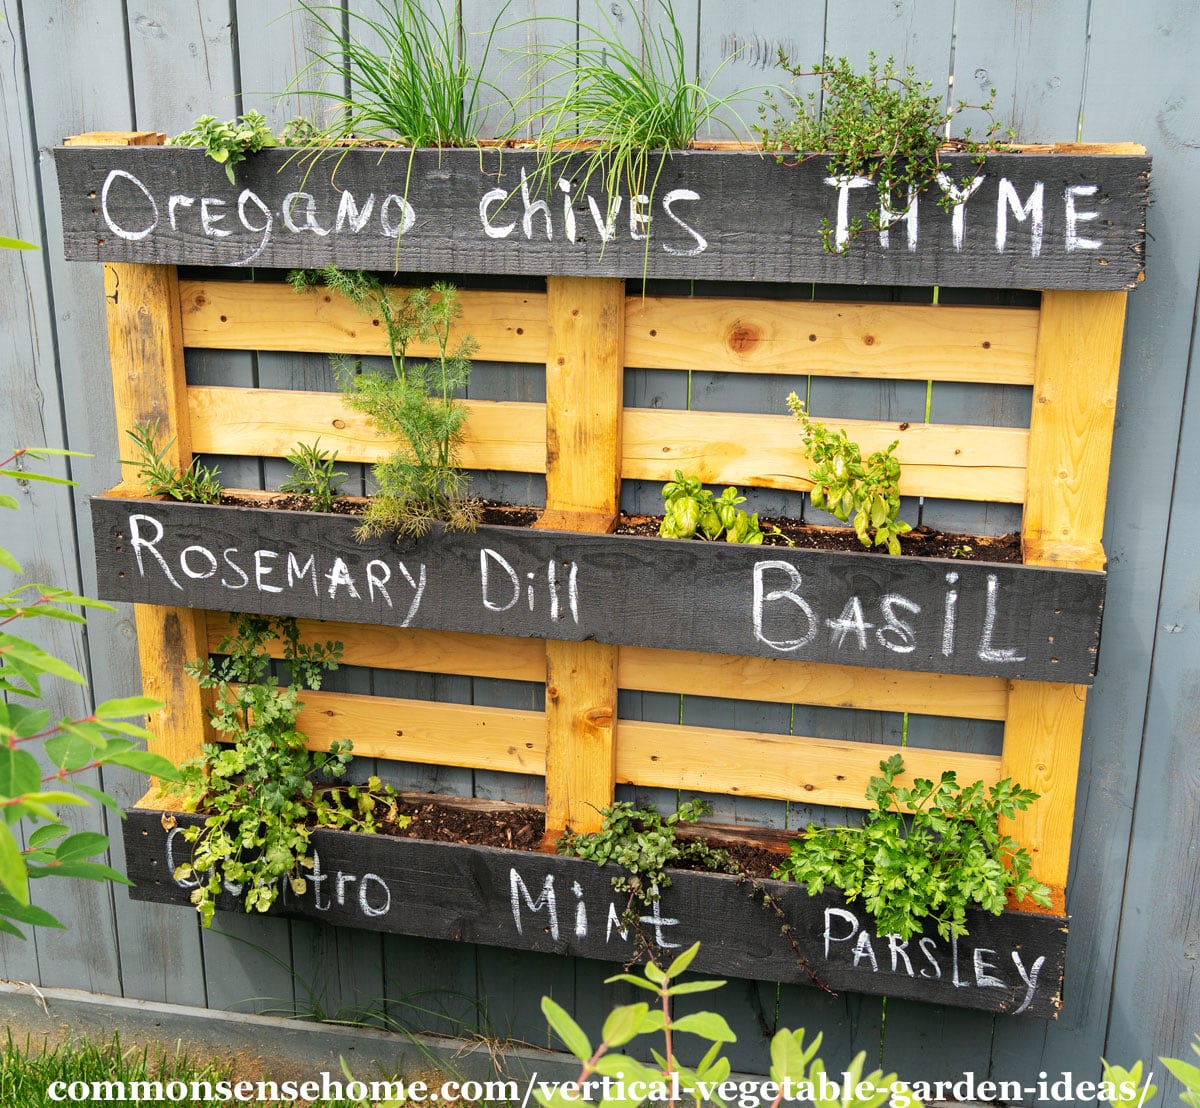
(1011, 644)
(527, 901)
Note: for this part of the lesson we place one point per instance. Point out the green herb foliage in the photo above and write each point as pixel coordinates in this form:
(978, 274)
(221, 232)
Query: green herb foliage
(883, 124)
(645, 843)
(420, 483)
(228, 143)
(406, 71)
(867, 492)
(795, 1069)
(692, 511)
(195, 485)
(313, 475)
(923, 853)
(32, 792)
(619, 102)
(263, 793)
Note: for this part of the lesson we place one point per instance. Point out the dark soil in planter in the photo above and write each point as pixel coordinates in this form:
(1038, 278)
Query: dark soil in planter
(523, 828)
(921, 542)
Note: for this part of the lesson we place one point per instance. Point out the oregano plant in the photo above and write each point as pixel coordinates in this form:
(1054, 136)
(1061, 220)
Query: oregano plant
(924, 853)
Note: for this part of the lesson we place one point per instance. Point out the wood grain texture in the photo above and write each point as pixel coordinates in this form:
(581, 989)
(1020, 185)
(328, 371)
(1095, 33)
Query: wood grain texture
(146, 352)
(915, 342)
(476, 211)
(780, 680)
(581, 725)
(567, 906)
(933, 615)
(240, 315)
(1042, 738)
(1070, 434)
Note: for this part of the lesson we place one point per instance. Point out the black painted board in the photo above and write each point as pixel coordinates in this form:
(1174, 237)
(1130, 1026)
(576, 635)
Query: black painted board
(1029, 221)
(938, 615)
(1009, 963)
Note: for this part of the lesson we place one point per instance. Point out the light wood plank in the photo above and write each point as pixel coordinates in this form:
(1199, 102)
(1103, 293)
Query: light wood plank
(581, 725)
(942, 460)
(146, 353)
(780, 680)
(1074, 405)
(240, 315)
(425, 731)
(914, 342)
(784, 681)
(1042, 739)
(117, 138)
(782, 767)
(504, 435)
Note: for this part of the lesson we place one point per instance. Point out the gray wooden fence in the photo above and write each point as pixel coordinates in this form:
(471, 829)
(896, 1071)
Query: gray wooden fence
(1096, 70)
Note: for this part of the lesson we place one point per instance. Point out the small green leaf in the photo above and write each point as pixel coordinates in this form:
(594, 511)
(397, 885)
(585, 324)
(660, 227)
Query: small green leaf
(81, 846)
(7, 243)
(127, 706)
(13, 875)
(708, 1025)
(685, 959)
(567, 1029)
(624, 1023)
(693, 987)
(19, 772)
(144, 762)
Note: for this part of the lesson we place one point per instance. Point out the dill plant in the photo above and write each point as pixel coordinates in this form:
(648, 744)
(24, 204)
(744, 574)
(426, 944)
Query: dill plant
(882, 123)
(420, 483)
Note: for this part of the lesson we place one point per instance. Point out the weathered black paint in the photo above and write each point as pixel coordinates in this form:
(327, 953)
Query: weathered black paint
(1044, 624)
(715, 215)
(567, 906)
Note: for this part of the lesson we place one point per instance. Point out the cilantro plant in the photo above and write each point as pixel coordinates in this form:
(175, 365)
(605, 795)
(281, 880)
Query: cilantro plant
(313, 475)
(264, 794)
(31, 794)
(843, 483)
(881, 124)
(420, 483)
(927, 852)
(796, 1072)
(692, 511)
(195, 485)
(228, 143)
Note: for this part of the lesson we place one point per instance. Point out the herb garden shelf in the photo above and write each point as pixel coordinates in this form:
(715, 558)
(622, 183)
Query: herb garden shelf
(575, 607)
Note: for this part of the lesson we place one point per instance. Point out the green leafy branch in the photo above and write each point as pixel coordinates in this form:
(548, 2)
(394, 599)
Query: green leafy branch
(266, 792)
(228, 143)
(843, 483)
(420, 483)
(925, 852)
(692, 511)
(106, 736)
(196, 484)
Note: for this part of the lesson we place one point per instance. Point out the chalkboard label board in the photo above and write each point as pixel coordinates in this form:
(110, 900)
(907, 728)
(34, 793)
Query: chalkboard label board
(1025, 220)
(938, 615)
(1010, 963)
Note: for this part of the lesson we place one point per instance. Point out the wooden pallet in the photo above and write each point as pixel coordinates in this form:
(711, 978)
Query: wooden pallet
(586, 330)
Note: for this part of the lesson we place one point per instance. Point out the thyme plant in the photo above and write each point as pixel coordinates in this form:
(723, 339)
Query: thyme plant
(313, 475)
(420, 483)
(882, 123)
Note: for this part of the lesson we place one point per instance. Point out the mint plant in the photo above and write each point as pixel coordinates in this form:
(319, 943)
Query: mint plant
(867, 492)
(926, 852)
(196, 484)
(420, 483)
(266, 792)
(692, 511)
(228, 143)
(30, 797)
(882, 124)
(313, 475)
(796, 1073)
